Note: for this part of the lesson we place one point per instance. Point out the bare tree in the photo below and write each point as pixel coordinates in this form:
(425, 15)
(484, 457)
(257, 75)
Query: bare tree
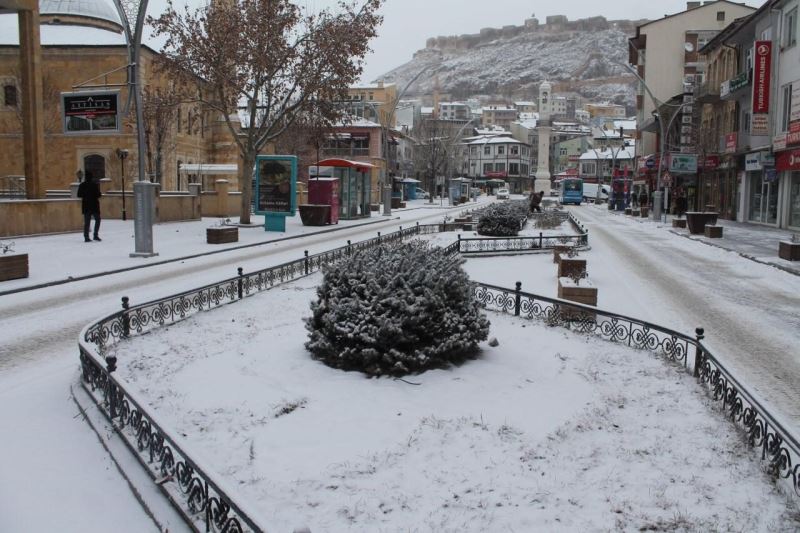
(432, 151)
(159, 110)
(270, 57)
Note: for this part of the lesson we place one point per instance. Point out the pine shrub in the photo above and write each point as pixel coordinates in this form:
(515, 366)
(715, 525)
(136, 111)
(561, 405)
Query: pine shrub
(502, 219)
(396, 310)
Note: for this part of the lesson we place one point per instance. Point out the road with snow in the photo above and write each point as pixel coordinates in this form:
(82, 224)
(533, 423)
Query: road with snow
(750, 312)
(56, 476)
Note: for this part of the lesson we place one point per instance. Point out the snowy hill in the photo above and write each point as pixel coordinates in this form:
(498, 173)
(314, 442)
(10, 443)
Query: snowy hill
(584, 57)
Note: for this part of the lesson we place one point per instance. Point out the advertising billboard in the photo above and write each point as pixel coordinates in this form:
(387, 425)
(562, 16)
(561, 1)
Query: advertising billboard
(91, 112)
(682, 163)
(276, 183)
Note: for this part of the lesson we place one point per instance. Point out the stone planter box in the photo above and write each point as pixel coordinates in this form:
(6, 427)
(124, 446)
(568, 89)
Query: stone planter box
(222, 235)
(569, 267)
(679, 223)
(713, 232)
(636, 213)
(13, 266)
(396, 203)
(374, 207)
(696, 221)
(628, 211)
(585, 293)
(644, 212)
(559, 249)
(314, 214)
(789, 250)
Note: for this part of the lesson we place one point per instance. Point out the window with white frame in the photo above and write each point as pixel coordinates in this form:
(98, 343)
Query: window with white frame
(786, 110)
(790, 28)
(501, 150)
(487, 150)
(514, 150)
(487, 167)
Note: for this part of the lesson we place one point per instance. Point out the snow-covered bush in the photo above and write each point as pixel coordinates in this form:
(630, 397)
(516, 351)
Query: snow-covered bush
(502, 219)
(395, 309)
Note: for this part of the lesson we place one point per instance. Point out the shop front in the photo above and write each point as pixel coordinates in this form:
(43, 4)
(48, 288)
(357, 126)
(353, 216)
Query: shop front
(794, 201)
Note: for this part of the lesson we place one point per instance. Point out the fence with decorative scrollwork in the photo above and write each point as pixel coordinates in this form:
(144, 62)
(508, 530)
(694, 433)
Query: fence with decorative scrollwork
(779, 447)
(529, 243)
(205, 501)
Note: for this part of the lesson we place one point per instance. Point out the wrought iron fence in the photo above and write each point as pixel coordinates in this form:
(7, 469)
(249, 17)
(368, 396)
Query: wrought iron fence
(477, 245)
(779, 447)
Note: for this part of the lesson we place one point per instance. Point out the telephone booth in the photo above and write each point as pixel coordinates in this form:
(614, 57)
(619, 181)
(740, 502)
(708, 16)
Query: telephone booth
(354, 178)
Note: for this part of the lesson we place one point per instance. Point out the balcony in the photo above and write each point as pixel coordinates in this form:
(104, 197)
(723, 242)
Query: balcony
(345, 152)
(707, 93)
(733, 88)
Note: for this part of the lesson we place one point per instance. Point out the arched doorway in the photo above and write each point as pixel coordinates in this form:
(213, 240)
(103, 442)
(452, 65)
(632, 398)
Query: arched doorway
(94, 166)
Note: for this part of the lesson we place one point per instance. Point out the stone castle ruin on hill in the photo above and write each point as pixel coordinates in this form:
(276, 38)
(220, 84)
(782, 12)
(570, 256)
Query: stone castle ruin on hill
(556, 24)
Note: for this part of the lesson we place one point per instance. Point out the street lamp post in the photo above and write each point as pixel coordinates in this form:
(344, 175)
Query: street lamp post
(122, 154)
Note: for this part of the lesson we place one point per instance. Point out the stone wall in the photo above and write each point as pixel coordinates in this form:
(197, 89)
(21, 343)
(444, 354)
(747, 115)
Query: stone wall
(553, 24)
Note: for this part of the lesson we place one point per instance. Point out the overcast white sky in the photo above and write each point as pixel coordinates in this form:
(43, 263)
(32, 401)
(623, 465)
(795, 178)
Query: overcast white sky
(408, 24)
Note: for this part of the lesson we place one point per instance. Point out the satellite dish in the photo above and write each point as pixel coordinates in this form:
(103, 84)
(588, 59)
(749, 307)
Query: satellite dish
(689, 47)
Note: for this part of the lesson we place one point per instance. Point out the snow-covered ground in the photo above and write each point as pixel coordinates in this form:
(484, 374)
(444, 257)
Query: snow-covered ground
(548, 431)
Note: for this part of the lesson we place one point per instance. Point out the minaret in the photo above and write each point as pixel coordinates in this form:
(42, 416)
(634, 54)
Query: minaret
(543, 125)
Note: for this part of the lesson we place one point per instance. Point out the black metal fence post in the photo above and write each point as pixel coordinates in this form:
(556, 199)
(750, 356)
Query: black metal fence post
(541, 240)
(240, 282)
(349, 251)
(459, 243)
(418, 227)
(401, 233)
(305, 260)
(517, 298)
(699, 356)
(126, 320)
(379, 237)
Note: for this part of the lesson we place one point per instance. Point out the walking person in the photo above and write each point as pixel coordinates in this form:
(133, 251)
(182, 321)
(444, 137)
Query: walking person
(536, 201)
(89, 193)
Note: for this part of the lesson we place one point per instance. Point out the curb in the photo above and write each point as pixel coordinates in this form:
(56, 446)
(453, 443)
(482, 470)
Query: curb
(183, 258)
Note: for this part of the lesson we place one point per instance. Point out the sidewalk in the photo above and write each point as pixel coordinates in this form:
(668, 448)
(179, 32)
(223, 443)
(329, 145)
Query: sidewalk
(752, 241)
(62, 258)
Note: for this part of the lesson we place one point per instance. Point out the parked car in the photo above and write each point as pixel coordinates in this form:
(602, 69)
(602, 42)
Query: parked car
(502, 194)
(422, 193)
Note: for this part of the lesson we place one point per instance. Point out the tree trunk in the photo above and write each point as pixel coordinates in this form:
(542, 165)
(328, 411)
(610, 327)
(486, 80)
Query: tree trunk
(246, 186)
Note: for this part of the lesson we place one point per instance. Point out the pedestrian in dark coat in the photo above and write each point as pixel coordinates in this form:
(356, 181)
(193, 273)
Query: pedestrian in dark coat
(536, 201)
(643, 199)
(89, 193)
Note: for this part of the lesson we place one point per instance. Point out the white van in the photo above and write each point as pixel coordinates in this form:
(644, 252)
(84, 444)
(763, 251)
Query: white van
(590, 192)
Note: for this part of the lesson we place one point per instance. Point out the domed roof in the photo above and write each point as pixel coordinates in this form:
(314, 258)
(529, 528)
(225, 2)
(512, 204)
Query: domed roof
(98, 9)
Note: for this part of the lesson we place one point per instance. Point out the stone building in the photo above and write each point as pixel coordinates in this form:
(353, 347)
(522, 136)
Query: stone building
(83, 48)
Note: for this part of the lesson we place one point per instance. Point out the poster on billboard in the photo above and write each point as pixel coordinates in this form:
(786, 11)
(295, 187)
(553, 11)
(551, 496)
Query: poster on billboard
(759, 124)
(682, 163)
(276, 182)
(90, 112)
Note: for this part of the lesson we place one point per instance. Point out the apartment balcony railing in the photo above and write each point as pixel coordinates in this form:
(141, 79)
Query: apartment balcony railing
(345, 152)
(707, 93)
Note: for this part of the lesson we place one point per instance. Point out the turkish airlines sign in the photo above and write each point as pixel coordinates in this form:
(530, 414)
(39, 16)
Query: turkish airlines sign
(761, 76)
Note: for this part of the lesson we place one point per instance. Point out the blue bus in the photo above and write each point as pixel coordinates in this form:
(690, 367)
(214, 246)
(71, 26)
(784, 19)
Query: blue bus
(570, 191)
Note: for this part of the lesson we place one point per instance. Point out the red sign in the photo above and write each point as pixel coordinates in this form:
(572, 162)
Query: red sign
(497, 174)
(789, 160)
(711, 161)
(761, 75)
(731, 140)
(794, 127)
(792, 138)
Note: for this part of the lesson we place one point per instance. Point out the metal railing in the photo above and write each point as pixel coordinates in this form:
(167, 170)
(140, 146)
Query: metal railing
(779, 447)
(208, 504)
(532, 243)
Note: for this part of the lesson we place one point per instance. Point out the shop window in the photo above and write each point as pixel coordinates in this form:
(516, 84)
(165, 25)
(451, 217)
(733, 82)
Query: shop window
(487, 167)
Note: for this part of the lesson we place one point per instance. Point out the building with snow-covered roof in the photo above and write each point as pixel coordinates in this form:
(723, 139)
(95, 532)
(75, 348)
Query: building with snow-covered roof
(82, 41)
(454, 111)
(499, 115)
(498, 157)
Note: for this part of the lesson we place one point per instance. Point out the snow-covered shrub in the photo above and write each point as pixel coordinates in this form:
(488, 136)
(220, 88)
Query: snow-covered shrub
(395, 309)
(502, 219)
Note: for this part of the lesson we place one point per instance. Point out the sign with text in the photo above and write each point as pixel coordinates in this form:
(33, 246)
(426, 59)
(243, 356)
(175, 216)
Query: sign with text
(276, 182)
(731, 141)
(789, 160)
(759, 124)
(682, 163)
(761, 76)
(90, 112)
(711, 161)
(779, 142)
